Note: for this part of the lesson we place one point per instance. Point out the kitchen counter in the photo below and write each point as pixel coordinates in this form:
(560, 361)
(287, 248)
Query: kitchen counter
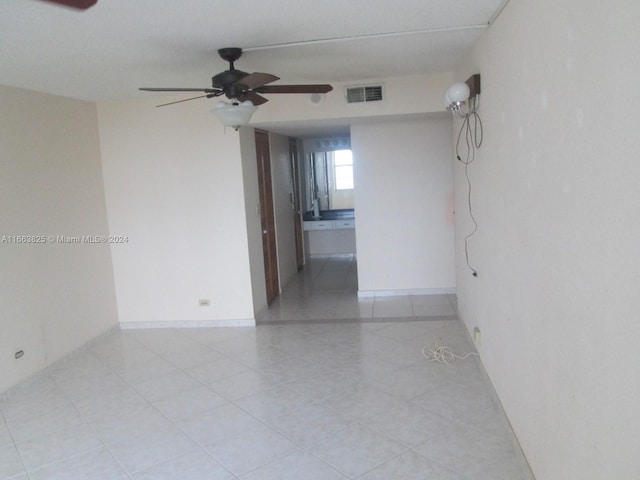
(343, 214)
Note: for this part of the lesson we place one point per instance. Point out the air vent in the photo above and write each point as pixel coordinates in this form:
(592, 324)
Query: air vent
(364, 93)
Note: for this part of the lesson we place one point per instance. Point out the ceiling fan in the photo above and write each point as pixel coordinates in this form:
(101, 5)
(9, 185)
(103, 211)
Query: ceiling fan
(78, 4)
(239, 86)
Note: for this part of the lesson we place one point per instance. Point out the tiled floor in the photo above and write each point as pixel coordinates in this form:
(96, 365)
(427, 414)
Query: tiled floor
(327, 289)
(305, 400)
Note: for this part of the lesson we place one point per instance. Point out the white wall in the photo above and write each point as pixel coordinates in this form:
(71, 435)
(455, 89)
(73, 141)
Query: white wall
(179, 186)
(556, 191)
(54, 297)
(404, 205)
(407, 95)
(174, 185)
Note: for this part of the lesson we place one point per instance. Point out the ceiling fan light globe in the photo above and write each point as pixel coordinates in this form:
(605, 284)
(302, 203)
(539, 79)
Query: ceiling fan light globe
(233, 114)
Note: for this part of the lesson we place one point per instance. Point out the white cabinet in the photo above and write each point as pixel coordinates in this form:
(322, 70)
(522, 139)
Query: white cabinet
(322, 225)
(340, 224)
(329, 224)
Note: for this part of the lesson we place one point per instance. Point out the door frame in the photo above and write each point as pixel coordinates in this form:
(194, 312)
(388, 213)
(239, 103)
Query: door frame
(267, 215)
(296, 202)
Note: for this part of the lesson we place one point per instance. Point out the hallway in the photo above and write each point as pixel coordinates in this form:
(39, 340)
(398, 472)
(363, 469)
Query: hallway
(326, 289)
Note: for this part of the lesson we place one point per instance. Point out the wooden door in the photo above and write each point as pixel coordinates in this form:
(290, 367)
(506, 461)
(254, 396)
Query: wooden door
(297, 209)
(267, 216)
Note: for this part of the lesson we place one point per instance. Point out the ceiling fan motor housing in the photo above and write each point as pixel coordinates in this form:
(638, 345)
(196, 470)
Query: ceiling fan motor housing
(235, 91)
(227, 78)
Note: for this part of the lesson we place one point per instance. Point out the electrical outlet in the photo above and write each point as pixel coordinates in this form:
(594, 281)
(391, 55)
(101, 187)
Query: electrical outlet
(476, 336)
(204, 302)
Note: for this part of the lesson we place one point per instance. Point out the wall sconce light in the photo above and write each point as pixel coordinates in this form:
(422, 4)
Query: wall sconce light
(234, 114)
(462, 93)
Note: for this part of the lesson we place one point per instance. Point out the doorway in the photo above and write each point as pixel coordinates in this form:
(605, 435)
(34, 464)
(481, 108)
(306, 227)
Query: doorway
(267, 216)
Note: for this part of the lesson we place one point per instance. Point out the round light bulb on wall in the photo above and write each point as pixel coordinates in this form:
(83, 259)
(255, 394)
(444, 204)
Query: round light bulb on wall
(446, 100)
(458, 92)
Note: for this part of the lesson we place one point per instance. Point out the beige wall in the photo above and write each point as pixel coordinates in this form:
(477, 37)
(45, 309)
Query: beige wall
(54, 296)
(556, 192)
(404, 205)
(174, 185)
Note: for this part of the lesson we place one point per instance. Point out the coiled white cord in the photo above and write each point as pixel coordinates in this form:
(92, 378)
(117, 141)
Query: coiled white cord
(443, 354)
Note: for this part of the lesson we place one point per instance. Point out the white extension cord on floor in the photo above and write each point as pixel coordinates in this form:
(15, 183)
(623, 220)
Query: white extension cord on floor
(443, 354)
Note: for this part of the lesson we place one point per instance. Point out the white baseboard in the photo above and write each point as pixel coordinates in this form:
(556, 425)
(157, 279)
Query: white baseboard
(249, 322)
(412, 291)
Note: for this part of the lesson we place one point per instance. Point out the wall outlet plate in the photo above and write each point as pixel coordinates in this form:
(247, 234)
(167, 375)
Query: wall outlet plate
(476, 335)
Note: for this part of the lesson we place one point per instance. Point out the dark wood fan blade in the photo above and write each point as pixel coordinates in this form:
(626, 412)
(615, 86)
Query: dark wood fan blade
(254, 98)
(79, 4)
(203, 90)
(318, 88)
(184, 100)
(257, 79)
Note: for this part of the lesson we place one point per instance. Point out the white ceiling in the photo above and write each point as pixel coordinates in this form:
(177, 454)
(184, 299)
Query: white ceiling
(110, 50)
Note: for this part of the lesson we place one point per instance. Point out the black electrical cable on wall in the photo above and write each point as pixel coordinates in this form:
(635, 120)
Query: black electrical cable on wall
(473, 133)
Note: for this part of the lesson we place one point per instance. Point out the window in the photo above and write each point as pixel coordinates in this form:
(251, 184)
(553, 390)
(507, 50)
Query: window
(343, 167)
